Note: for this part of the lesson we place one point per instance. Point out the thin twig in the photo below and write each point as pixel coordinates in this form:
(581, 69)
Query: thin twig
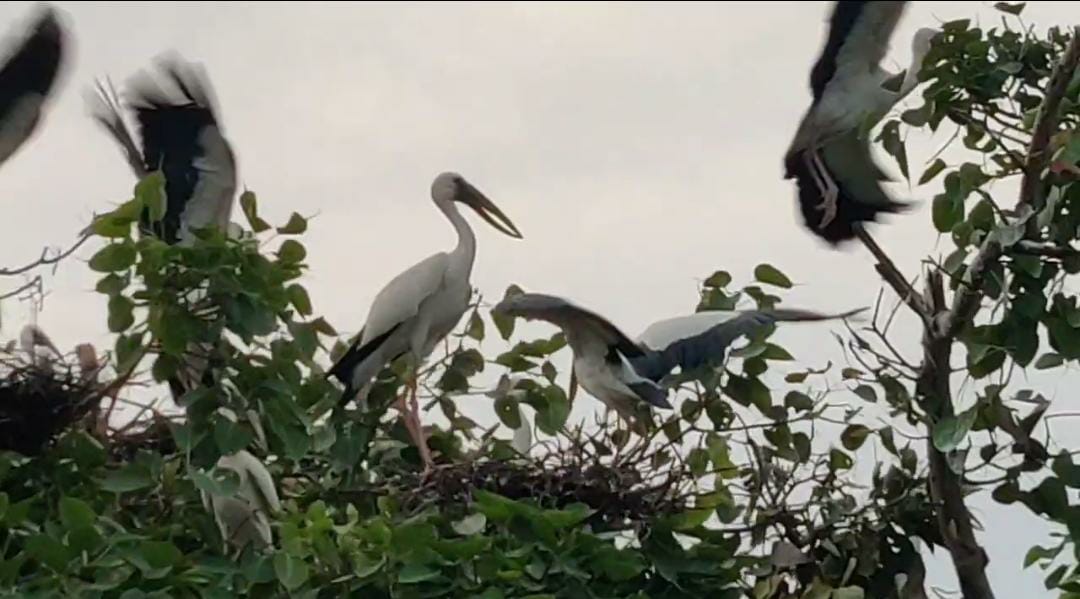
(44, 259)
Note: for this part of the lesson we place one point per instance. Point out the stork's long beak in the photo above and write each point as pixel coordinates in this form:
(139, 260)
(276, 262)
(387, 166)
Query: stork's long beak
(488, 210)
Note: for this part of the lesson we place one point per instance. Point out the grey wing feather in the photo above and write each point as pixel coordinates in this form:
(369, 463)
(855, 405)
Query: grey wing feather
(578, 321)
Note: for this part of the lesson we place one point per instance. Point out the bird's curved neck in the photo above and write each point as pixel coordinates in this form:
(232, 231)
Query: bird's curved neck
(466, 238)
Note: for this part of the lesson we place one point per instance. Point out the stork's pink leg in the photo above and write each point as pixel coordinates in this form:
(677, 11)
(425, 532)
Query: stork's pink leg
(829, 191)
(411, 411)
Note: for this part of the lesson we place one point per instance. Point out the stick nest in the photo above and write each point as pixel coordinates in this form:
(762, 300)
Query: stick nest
(38, 401)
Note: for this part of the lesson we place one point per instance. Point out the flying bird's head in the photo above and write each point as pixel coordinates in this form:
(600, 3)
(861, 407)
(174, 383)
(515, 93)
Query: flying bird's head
(526, 305)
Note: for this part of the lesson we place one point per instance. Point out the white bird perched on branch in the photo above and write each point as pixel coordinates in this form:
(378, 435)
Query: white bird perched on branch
(830, 157)
(27, 79)
(181, 136)
(623, 373)
(422, 305)
(244, 518)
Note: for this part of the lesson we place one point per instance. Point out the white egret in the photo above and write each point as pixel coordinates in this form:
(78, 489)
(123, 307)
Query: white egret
(27, 79)
(830, 159)
(422, 305)
(624, 374)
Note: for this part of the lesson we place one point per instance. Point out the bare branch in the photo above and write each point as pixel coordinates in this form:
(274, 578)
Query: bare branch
(45, 259)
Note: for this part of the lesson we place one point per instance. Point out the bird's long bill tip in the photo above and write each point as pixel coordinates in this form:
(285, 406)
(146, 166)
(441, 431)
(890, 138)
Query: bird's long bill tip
(490, 212)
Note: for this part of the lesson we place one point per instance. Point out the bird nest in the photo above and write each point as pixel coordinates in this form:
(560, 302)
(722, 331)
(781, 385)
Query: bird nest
(623, 493)
(38, 401)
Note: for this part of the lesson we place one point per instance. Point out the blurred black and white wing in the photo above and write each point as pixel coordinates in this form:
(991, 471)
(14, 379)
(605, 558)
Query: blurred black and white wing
(180, 135)
(27, 78)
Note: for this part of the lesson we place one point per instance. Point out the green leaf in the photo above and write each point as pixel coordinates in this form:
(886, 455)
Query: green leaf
(76, 513)
(114, 257)
(618, 565)
(932, 171)
(848, 593)
(48, 551)
(476, 327)
(854, 436)
(891, 142)
(291, 571)
(507, 409)
(470, 525)
(800, 402)
(292, 252)
(222, 482)
(1049, 360)
(131, 477)
(1012, 8)
(298, 297)
(249, 205)
(111, 284)
(121, 313)
(1037, 554)
(950, 431)
(718, 279)
(109, 226)
(160, 554)
(150, 192)
(839, 460)
(296, 225)
(230, 436)
(867, 393)
(416, 573)
(766, 273)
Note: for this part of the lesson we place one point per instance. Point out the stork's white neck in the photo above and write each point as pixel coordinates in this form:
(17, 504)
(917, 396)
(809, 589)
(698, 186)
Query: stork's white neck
(466, 247)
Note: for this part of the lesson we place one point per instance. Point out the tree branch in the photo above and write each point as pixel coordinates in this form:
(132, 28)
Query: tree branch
(44, 259)
(892, 275)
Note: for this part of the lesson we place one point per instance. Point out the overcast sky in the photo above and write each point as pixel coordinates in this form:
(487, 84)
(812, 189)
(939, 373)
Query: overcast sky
(638, 148)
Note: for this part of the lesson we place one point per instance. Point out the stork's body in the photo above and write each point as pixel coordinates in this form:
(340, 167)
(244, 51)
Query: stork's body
(27, 79)
(420, 306)
(830, 158)
(626, 374)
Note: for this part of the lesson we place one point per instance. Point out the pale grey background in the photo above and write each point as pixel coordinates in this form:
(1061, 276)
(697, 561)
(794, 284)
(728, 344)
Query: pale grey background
(637, 146)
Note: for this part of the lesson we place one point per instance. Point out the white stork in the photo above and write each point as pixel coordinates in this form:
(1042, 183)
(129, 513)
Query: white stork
(625, 374)
(830, 157)
(27, 79)
(181, 137)
(422, 305)
(244, 518)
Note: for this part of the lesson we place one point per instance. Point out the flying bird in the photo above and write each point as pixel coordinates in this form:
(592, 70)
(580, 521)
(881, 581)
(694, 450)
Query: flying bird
(179, 134)
(422, 305)
(626, 374)
(27, 79)
(839, 183)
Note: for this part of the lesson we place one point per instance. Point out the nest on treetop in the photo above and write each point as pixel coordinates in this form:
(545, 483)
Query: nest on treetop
(39, 400)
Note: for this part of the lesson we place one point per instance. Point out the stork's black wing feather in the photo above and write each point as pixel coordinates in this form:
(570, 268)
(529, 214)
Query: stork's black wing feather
(34, 65)
(170, 127)
(26, 79)
(343, 369)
